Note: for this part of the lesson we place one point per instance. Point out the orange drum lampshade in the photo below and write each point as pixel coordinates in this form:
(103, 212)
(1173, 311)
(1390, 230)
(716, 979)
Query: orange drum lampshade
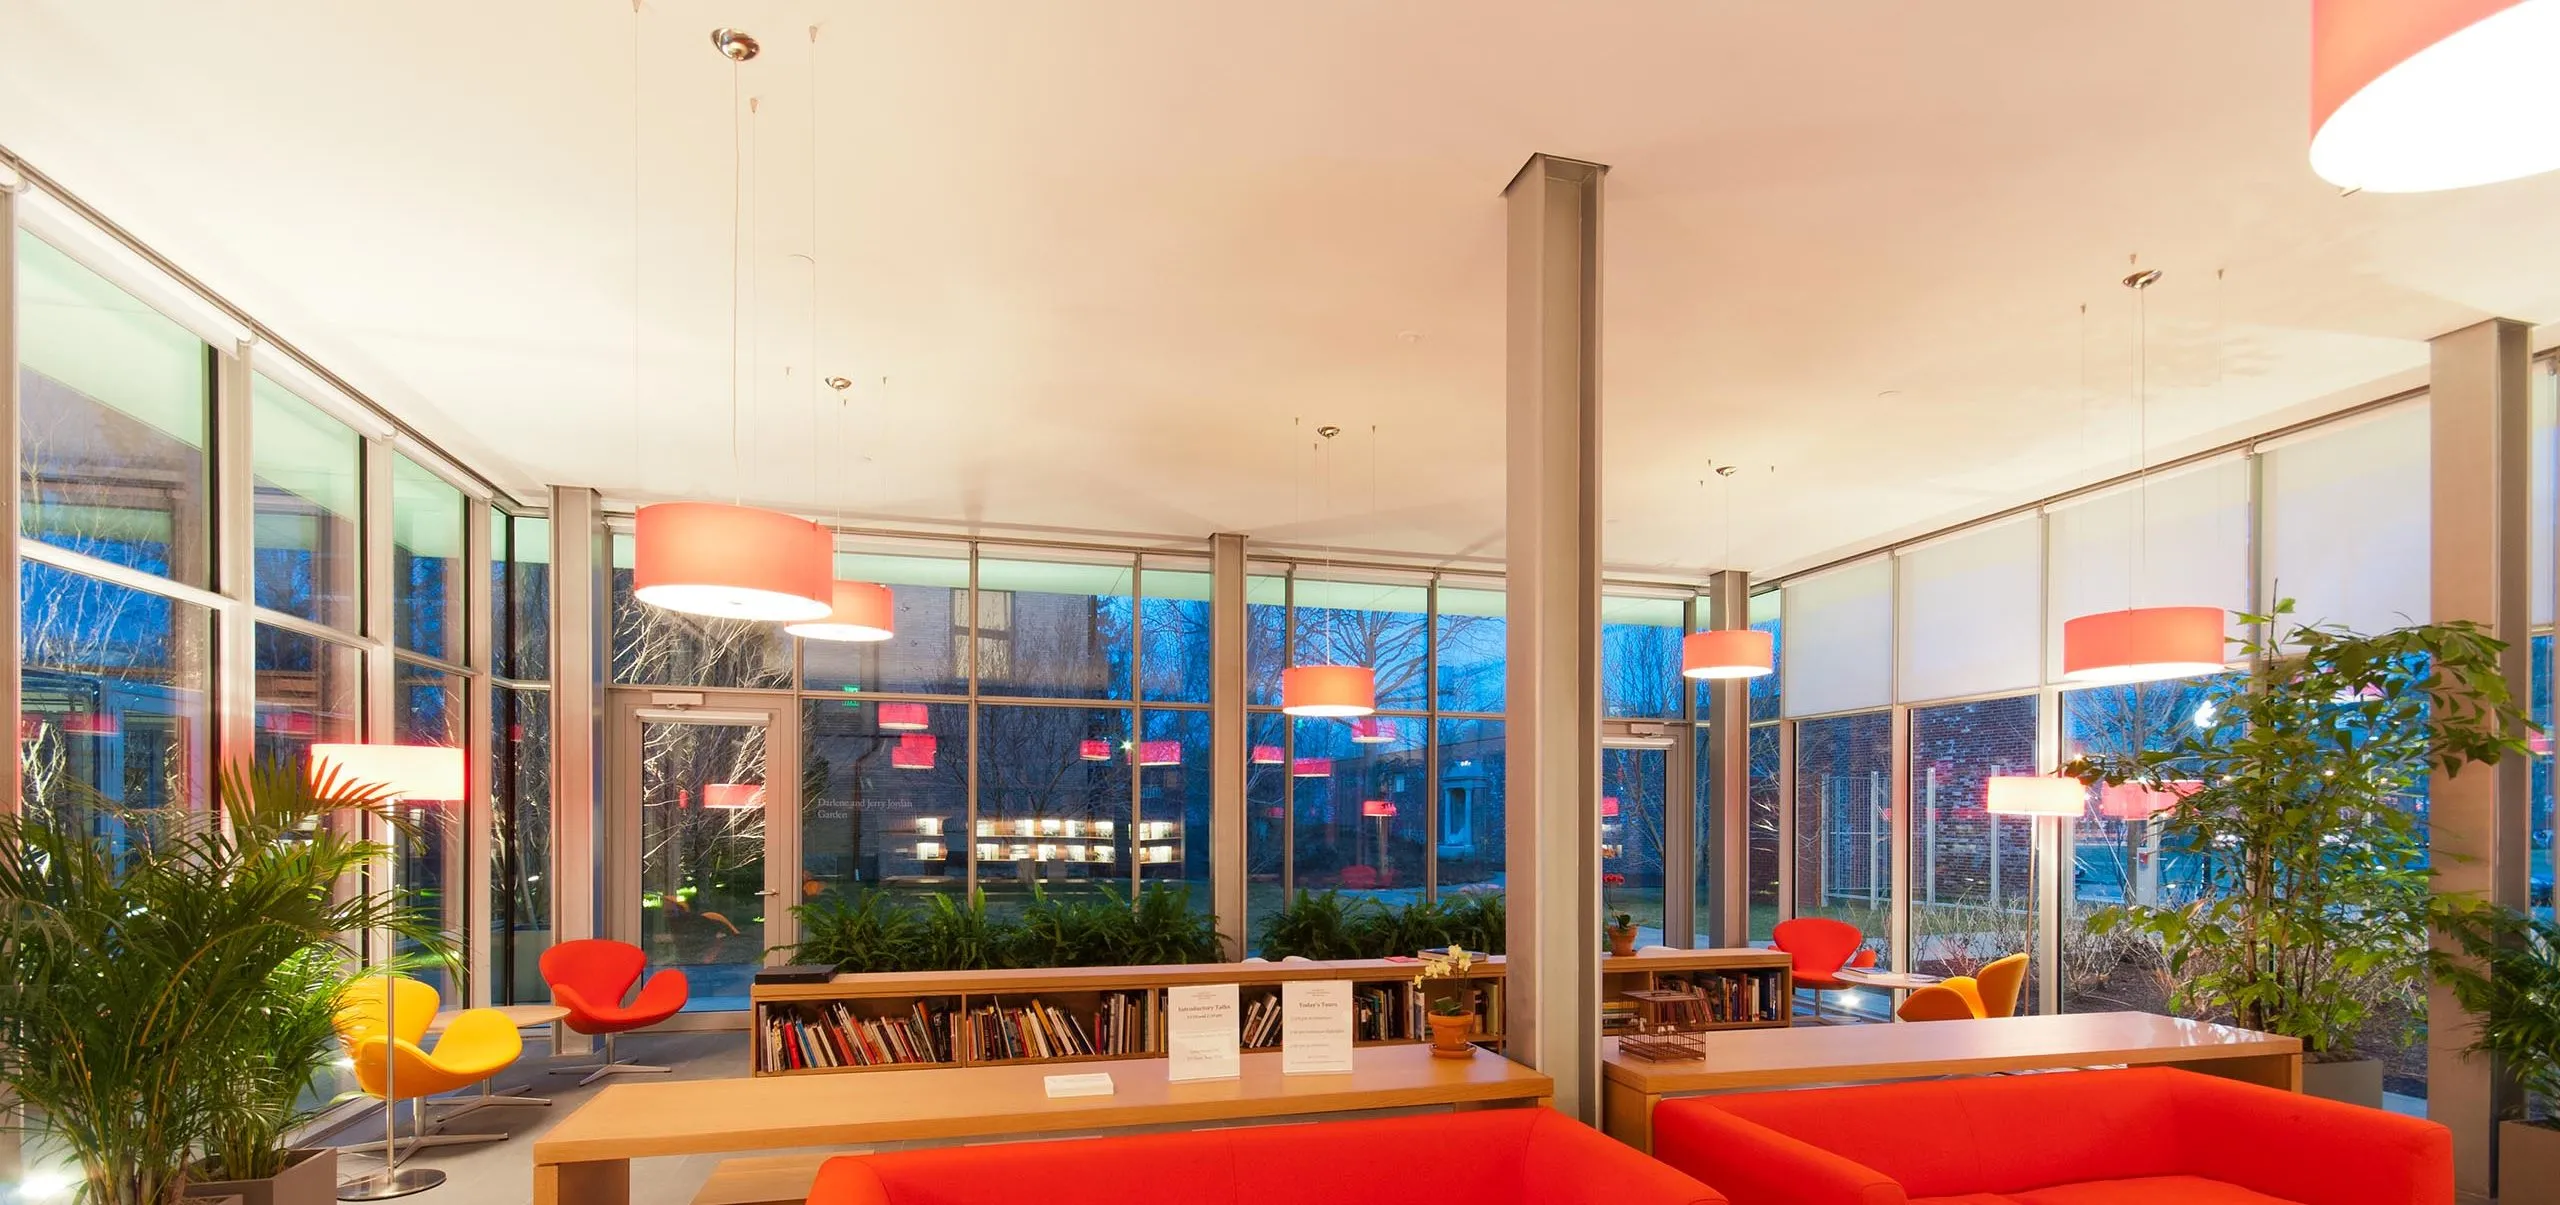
(1608, 805)
(733, 796)
(2036, 795)
(2423, 95)
(2147, 644)
(1340, 691)
(1727, 653)
(2138, 801)
(914, 751)
(732, 562)
(411, 772)
(904, 717)
(861, 614)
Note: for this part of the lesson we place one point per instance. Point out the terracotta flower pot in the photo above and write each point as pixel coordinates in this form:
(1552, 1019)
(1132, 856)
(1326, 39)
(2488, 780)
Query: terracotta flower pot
(1622, 942)
(1449, 1035)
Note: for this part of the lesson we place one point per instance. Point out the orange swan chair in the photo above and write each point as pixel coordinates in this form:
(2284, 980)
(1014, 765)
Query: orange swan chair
(1822, 947)
(1967, 998)
(589, 977)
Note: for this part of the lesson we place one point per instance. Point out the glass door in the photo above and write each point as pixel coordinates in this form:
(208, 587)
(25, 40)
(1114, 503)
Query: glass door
(1634, 782)
(701, 837)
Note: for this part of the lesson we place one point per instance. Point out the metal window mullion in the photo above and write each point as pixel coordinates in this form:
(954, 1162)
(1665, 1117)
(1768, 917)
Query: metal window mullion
(1679, 850)
(235, 561)
(479, 814)
(12, 605)
(379, 721)
(1288, 734)
(1137, 723)
(1431, 738)
(970, 600)
(2053, 860)
(1786, 821)
(1898, 775)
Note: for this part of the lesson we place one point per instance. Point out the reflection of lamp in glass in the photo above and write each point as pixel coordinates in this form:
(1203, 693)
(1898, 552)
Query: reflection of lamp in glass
(1311, 767)
(1378, 808)
(1094, 751)
(904, 717)
(1160, 753)
(733, 796)
(2034, 796)
(1370, 730)
(1267, 755)
(423, 773)
(1608, 805)
(862, 613)
(914, 751)
(91, 723)
(2137, 801)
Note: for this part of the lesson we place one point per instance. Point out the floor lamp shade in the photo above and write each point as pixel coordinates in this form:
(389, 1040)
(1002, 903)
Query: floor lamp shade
(2146, 644)
(2035, 795)
(1329, 690)
(2423, 95)
(732, 562)
(862, 613)
(410, 772)
(1728, 653)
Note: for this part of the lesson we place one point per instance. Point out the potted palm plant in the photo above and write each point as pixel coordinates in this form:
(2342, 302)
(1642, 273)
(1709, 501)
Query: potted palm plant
(158, 972)
(2310, 903)
(2505, 969)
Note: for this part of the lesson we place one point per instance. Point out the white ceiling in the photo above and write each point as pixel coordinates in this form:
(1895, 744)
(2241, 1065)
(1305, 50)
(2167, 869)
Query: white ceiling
(1100, 266)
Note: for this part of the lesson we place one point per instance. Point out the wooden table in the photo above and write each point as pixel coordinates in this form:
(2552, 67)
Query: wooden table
(524, 1016)
(586, 1159)
(1835, 1054)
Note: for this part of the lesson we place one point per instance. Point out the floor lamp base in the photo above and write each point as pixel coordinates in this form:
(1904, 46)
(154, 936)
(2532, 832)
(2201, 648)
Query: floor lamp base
(391, 1182)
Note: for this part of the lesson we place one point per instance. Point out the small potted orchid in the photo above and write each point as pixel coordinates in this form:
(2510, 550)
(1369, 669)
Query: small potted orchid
(1452, 1015)
(1622, 934)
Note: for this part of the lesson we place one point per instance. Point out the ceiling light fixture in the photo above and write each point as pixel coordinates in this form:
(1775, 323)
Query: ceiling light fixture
(2142, 644)
(2411, 96)
(1336, 691)
(732, 561)
(861, 612)
(1743, 652)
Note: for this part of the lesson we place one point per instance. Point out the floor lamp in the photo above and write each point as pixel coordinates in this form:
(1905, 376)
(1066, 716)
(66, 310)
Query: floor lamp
(2034, 797)
(426, 773)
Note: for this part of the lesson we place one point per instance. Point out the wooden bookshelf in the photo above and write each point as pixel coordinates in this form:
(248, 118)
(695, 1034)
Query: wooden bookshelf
(950, 1007)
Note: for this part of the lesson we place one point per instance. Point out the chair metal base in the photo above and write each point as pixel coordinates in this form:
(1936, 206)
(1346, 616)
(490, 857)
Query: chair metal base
(388, 1183)
(597, 1071)
(488, 1097)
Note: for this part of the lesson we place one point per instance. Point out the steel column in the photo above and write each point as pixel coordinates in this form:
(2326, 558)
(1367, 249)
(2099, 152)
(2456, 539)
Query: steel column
(1726, 852)
(235, 662)
(479, 813)
(12, 489)
(1227, 752)
(1552, 781)
(581, 614)
(2480, 422)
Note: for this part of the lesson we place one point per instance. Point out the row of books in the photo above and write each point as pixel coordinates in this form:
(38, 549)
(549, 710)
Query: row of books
(1731, 997)
(1260, 1027)
(1121, 1023)
(833, 1035)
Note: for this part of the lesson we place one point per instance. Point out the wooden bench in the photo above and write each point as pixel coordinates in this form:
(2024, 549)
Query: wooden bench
(762, 1180)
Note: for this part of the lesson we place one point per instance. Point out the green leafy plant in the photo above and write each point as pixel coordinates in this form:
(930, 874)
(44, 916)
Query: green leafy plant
(1162, 928)
(958, 937)
(2507, 974)
(864, 932)
(1321, 925)
(2313, 915)
(1476, 920)
(156, 967)
(1387, 932)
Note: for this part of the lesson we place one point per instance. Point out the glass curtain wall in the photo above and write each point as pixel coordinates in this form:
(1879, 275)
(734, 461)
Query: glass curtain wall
(520, 756)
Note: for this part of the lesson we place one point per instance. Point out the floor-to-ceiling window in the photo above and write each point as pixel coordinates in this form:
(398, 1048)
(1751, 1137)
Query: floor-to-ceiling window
(520, 755)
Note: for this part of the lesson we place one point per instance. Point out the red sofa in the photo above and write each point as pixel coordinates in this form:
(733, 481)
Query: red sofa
(1486, 1157)
(2151, 1135)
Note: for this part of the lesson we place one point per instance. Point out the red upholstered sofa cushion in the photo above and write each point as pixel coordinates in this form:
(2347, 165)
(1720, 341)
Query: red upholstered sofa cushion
(1488, 1157)
(2067, 1138)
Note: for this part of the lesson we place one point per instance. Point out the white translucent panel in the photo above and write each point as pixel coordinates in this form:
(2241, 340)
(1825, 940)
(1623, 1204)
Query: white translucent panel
(2180, 539)
(426, 511)
(1268, 590)
(1642, 610)
(2346, 522)
(297, 448)
(1969, 611)
(2545, 486)
(1360, 595)
(1099, 577)
(1474, 596)
(891, 569)
(1840, 639)
(1186, 578)
(1765, 607)
(99, 340)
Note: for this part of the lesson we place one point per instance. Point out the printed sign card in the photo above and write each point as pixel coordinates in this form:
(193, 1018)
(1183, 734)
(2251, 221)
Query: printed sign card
(1201, 1033)
(1315, 1027)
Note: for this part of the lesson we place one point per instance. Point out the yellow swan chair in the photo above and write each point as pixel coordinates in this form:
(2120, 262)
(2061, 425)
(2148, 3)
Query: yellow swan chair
(1999, 983)
(1966, 997)
(477, 1044)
